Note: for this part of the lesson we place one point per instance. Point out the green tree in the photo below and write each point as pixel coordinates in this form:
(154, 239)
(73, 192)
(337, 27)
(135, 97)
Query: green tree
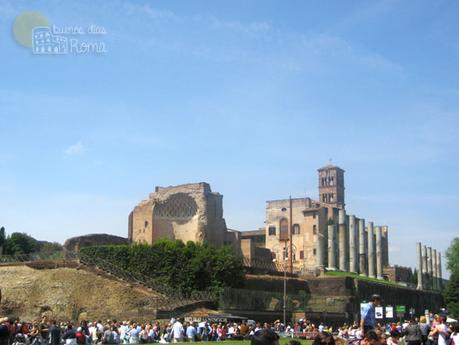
(2, 239)
(452, 255)
(2, 236)
(20, 243)
(451, 291)
(451, 294)
(50, 250)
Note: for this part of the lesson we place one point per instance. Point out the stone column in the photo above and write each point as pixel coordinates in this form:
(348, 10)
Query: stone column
(362, 246)
(331, 246)
(440, 277)
(385, 241)
(371, 253)
(352, 245)
(424, 266)
(429, 266)
(342, 240)
(320, 247)
(434, 269)
(379, 253)
(420, 268)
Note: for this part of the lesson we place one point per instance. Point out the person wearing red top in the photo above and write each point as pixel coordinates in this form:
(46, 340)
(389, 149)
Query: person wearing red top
(80, 337)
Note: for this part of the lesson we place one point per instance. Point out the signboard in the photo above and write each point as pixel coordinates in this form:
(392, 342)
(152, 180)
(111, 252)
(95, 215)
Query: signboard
(389, 312)
(400, 310)
(213, 318)
(379, 313)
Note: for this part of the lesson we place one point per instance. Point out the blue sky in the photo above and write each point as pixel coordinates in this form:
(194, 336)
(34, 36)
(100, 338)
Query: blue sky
(250, 96)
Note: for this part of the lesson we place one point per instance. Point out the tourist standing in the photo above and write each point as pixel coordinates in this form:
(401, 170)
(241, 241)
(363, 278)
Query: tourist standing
(134, 332)
(441, 331)
(413, 333)
(177, 331)
(69, 335)
(4, 331)
(367, 317)
(54, 334)
(80, 337)
(455, 334)
(191, 333)
(425, 329)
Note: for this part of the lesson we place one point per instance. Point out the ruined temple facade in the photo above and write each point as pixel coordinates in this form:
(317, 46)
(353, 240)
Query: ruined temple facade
(323, 235)
(188, 212)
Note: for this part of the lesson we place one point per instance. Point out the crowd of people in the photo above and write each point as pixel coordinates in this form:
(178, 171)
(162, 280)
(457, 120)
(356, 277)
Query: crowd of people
(14, 332)
(413, 332)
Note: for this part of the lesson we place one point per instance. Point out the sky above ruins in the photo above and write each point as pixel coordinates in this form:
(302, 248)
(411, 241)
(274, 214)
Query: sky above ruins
(250, 96)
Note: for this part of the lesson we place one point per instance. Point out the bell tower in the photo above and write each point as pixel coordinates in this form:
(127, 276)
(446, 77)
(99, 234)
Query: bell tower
(331, 185)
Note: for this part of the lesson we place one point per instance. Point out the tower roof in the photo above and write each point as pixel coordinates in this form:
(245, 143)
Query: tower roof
(330, 166)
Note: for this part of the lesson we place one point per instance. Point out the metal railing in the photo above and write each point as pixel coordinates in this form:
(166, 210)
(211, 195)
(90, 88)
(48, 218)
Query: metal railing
(168, 297)
(18, 258)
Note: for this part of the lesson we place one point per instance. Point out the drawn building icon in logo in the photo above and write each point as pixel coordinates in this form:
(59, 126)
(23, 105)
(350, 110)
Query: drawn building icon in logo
(45, 42)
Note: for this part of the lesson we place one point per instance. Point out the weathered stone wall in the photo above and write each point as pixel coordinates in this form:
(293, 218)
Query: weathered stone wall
(254, 254)
(337, 299)
(189, 212)
(395, 295)
(305, 217)
(398, 273)
(333, 300)
(261, 298)
(74, 244)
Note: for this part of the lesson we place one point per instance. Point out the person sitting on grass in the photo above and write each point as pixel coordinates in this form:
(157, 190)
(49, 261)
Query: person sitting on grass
(394, 338)
(324, 338)
(370, 338)
(265, 337)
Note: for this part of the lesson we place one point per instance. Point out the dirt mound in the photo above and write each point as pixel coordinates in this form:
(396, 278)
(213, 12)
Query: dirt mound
(70, 294)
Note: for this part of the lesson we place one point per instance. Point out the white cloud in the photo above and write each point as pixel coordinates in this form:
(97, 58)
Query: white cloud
(75, 149)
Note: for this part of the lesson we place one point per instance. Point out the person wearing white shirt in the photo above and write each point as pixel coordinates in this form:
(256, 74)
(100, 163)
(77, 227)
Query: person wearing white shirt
(231, 331)
(455, 335)
(177, 332)
(441, 330)
(134, 335)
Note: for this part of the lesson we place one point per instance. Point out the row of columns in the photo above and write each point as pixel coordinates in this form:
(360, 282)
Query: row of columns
(352, 247)
(429, 268)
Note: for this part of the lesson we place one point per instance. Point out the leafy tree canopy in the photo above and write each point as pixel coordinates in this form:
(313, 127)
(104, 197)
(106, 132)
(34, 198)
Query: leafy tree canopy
(451, 292)
(452, 255)
(2, 236)
(19, 243)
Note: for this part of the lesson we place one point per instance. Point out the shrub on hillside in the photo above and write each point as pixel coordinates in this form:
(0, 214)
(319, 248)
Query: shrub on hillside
(185, 267)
